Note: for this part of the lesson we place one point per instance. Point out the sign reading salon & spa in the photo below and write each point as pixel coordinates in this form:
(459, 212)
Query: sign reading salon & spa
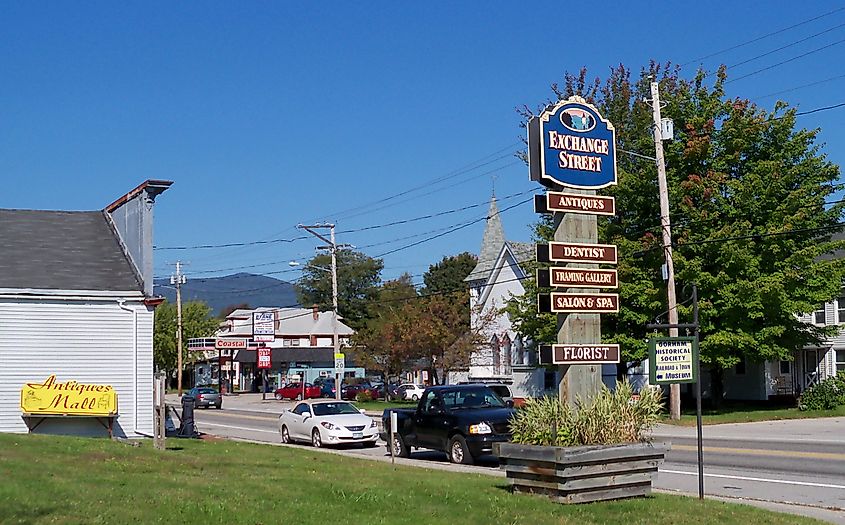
(572, 145)
(68, 398)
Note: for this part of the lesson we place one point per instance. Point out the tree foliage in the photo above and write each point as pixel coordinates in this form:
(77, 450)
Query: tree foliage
(449, 273)
(197, 321)
(357, 283)
(747, 192)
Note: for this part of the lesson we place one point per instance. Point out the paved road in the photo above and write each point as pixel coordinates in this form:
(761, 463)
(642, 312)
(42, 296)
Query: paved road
(770, 467)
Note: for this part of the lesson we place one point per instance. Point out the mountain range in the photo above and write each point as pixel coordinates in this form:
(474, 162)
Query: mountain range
(220, 292)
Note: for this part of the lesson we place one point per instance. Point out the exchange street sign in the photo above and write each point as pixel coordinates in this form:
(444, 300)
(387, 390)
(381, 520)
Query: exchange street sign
(572, 203)
(672, 360)
(263, 327)
(578, 354)
(572, 145)
(576, 278)
(563, 303)
(575, 252)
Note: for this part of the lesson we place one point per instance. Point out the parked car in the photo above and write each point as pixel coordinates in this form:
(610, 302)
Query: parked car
(295, 391)
(327, 422)
(462, 420)
(205, 397)
(501, 389)
(326, 385)
(411, 391)
(351, 391)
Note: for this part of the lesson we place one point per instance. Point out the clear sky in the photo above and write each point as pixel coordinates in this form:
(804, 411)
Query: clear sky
(269, 114)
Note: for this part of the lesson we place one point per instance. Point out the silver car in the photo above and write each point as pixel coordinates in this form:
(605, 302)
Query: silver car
(206, 397)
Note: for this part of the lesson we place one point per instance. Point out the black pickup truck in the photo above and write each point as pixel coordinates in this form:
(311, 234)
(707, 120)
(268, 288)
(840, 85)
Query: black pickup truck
(462, 420)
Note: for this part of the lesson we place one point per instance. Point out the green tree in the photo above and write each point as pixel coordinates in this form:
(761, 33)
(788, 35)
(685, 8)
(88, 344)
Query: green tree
(197, 321)
(357, 283)
(747, 192)
(449, 273)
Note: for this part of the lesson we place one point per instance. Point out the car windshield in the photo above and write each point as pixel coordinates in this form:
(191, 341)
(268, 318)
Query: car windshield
(332, 409)
(479, 397)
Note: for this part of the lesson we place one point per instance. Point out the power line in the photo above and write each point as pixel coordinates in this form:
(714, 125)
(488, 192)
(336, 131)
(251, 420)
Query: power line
(781, 48)
(802, 55)
(800, 87)
(767, 35)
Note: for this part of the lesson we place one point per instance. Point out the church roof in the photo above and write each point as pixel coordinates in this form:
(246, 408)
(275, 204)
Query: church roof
(491, 244)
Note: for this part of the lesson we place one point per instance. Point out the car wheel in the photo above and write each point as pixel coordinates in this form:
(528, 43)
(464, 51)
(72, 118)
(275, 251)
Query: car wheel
(399, 447)
(316, 439)
(285, 434)
(298, 397)
(415, 397)
(459, 452)
(279, 397)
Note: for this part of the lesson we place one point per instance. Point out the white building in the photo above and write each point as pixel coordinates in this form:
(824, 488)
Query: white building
(496, 278)
(76, 303)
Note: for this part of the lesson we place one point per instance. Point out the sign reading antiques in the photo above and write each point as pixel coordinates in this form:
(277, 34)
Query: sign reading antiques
(69, 398)
(578, 354)
(574, 252)
(564, 303)
(264, 357)
(263, 327)
(566, 202)
(671, 360)
(572, 145)
(576, 278)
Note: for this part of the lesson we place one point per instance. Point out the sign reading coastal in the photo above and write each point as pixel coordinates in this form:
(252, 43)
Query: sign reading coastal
(70, 397)
(572, 145)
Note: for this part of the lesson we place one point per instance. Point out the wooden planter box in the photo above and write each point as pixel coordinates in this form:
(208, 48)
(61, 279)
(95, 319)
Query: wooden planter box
(582, 474)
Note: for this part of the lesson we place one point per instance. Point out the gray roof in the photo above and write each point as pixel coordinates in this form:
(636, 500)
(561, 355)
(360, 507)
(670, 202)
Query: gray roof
(491, 244)
(62, 250)
(292, 322)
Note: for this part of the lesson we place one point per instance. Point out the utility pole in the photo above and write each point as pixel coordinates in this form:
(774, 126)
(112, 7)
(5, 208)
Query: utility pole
(178, 279)
(332, 247)
(666, 228)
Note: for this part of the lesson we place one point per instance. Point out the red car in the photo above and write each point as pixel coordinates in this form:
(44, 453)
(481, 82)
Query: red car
(351, 391)
(295, 391)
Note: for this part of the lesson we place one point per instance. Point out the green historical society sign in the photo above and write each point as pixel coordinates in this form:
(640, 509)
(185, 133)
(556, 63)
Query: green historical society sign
(672, 360)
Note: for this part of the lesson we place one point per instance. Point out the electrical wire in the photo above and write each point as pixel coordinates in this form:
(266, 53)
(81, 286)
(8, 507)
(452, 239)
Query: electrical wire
(782, 62)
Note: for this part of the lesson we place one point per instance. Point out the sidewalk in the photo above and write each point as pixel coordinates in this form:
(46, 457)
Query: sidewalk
(829, 430)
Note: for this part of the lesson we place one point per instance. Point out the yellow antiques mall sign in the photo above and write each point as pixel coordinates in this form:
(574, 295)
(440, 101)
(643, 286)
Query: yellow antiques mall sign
(70, 398)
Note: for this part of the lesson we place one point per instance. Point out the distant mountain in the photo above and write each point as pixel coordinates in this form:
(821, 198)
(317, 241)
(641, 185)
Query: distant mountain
(220, 292)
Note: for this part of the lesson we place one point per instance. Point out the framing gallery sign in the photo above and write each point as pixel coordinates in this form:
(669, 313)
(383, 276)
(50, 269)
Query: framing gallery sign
(570, 145)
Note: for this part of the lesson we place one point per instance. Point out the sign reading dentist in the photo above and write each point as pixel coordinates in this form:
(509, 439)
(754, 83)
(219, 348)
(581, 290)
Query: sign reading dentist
(572, 145)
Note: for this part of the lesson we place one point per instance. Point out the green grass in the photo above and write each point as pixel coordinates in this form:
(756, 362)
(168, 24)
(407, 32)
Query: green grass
(381, 405)
(49, 479)
(746, 413)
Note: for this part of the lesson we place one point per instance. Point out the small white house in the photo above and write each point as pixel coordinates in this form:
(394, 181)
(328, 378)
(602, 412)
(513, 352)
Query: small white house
(76, 305)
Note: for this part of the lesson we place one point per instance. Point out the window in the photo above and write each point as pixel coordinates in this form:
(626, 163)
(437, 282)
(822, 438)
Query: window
(840, 360)
(840, 309)
(300, 409)
(818, 316)
(784, 367)
(740, 367)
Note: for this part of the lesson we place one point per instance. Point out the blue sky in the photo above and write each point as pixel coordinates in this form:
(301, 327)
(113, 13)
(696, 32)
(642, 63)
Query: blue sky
(268, 114)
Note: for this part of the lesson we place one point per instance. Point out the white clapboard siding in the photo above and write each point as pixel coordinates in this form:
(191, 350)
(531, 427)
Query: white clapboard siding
(89, 342)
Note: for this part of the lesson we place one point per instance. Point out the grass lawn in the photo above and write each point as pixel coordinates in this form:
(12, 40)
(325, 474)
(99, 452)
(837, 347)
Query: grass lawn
(745, 413)
(50, 479)
(381, 405)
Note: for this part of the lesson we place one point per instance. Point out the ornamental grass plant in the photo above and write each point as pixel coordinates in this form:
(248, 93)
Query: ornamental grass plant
(613, 417)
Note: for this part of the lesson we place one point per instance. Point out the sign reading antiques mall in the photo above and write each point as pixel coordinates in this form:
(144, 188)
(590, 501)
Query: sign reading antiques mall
(572, 145)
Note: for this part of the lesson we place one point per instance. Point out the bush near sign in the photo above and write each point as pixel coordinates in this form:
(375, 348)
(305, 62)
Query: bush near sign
(672, 360)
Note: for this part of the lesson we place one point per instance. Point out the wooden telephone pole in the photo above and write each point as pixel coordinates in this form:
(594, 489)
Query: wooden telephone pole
(178, 280)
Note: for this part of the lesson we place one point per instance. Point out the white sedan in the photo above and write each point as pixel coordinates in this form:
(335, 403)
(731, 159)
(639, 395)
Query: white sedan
(411, 391)
(327, 422)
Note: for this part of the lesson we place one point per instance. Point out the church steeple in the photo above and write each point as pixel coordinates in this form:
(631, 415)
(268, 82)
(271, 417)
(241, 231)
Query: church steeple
(491, 243)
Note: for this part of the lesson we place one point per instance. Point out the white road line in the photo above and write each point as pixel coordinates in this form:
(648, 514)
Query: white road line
(764, 480)
(204, 424)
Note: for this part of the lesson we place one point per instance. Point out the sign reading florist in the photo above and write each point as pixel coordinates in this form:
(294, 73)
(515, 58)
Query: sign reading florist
(572, 145)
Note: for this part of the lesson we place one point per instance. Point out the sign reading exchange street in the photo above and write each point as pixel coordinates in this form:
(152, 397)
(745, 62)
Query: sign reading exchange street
(574, 252)
(671, 360)
(572, 145)
(569, 203)
(576, 278)
(562, 303)
(577, 354)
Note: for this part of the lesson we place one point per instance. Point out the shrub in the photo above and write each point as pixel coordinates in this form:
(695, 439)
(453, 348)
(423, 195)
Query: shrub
(363, 396)
(824, 395)
(612, 418)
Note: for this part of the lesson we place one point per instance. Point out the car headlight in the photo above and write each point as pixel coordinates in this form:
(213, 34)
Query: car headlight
(326, 424)
(481, 428)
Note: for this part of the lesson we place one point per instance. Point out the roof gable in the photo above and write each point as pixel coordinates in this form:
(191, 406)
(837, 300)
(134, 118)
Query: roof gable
(63, 250)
